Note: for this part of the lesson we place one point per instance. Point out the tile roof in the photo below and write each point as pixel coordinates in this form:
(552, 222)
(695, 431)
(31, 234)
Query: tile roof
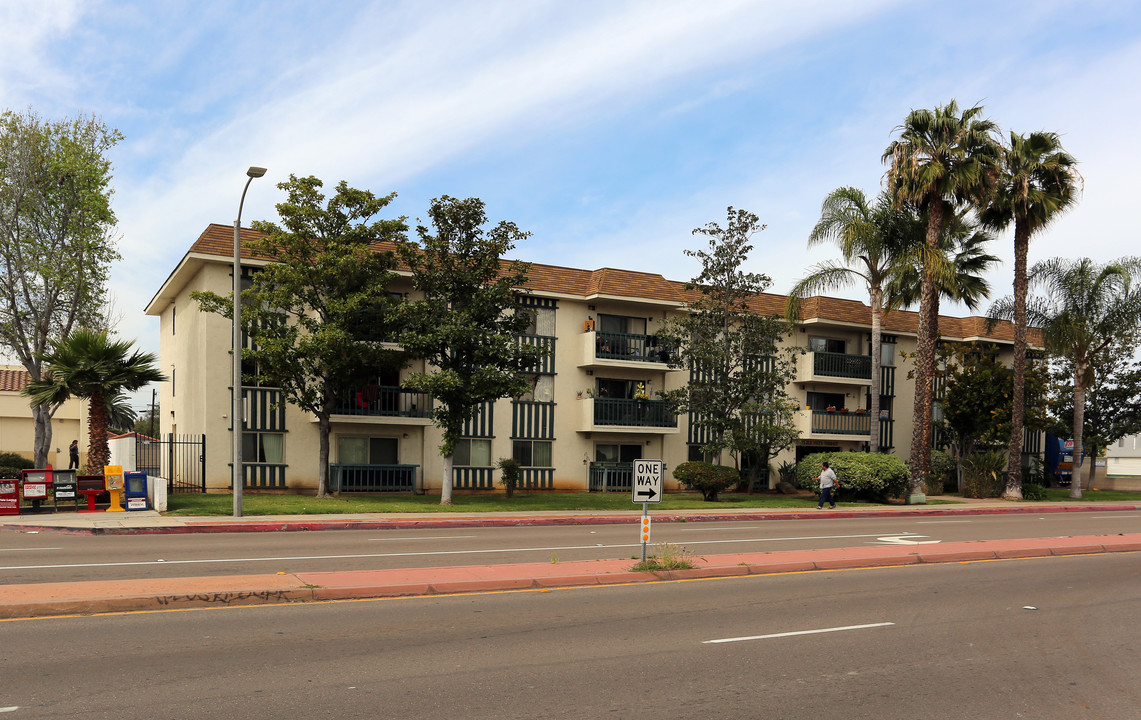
(14, 380)
(218, 239)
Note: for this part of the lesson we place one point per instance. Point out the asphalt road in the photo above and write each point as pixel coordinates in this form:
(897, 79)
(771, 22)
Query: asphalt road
(54, 557)
(1043, 638)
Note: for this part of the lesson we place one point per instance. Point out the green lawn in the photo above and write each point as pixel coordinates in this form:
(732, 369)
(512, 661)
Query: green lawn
(257, 504)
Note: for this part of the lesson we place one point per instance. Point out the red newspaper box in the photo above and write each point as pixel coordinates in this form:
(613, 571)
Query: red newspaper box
(9, 496)
(34, 485)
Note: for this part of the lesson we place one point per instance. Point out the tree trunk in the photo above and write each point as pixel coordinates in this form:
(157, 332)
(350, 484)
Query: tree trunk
(1093, 453)
(446, 487)
(1018, 394)
(877, 370)
(920, 461)
(42, 419)
(323, 429)
(98, 454)
(1079, 418)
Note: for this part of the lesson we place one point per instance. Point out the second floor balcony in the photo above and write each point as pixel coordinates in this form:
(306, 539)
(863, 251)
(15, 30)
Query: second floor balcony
(611, 414)
(624, 349)
(835, 368)
(385, 401)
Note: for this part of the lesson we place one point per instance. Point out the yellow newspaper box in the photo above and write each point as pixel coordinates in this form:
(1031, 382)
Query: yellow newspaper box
(114, 476)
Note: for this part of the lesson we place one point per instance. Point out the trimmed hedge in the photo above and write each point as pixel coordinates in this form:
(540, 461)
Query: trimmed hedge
(710, 479)
(870, 476)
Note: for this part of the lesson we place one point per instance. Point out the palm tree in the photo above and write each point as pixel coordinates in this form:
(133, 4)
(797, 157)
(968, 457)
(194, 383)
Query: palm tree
(869, 242)
(958, 267)
(1083, 309)
(943, 159)
(1038, 182)
(88, 365)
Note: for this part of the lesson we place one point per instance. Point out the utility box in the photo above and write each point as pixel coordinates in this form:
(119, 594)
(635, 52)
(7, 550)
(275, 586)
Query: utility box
(9, 496)
(34, 486)
(64, 488)
(135, 490)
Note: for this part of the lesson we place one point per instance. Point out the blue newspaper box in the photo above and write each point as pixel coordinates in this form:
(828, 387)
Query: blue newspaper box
(135, 490)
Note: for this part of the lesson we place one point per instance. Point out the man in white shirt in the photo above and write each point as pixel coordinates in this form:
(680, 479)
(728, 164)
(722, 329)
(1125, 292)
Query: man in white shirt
(827, 487)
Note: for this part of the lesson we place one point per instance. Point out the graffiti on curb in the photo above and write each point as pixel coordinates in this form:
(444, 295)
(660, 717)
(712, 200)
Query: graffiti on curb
(225, 598)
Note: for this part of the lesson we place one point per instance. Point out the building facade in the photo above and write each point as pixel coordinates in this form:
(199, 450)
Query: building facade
(18, 430)
(592, 409)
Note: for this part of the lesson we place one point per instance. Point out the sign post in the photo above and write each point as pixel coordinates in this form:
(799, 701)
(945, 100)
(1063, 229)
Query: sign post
(646, 488)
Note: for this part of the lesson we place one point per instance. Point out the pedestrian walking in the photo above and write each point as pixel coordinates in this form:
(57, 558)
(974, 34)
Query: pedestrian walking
(73, 455)
(828, 486)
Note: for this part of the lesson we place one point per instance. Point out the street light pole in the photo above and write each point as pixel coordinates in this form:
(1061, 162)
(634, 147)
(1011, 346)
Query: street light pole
(237, 477)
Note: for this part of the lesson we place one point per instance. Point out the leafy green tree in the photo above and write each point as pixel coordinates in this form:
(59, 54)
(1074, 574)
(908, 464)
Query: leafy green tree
(1113, 401)
(737, 375)
(91, 366)
(466, 323)
(1083, 307)
(56, 238)
(871, 238)
(313, 313)
(941, 160)
(977, 398)
(1038, 182)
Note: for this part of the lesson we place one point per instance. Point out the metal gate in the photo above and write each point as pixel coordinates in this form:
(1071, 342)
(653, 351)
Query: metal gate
(181, 459)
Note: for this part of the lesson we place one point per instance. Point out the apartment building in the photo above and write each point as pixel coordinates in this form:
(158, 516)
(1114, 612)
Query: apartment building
(592, 409)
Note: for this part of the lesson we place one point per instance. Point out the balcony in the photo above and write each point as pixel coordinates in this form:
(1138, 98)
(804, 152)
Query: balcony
(834, 368)
(546, 364)
(831, 424)
(386, 403)
(619, 414)
(375, 478)
(609, 349)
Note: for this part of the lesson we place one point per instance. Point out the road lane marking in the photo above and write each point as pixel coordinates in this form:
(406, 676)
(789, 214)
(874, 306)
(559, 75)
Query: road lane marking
(940, 522)
(797, 632)
(427, 553)
(22, 550)
(901, 540)
(437, 537)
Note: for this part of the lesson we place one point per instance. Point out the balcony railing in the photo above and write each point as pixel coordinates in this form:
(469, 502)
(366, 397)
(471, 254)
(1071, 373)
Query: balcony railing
(384, 401)
(624, 346)
(639, 413)
(545, 364)
(842, 365)
(838, 423)
(374, 478)
(611, 477)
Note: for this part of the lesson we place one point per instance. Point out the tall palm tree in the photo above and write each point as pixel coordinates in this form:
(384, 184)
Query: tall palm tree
(1083, 308)
(869, 242)
(1038, 181)
(88, 365)
(943, 159)
(958, 266)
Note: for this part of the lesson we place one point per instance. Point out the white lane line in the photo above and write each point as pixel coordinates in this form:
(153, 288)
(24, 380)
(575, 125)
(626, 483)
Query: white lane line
(940, 522)
(14, 708)
(428, 553)
(716, 529)
(797, 632)
(438, 537)
(23, 549)
(1113, 517)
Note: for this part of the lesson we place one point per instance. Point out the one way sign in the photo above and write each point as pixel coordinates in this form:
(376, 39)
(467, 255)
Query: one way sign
(647, 485)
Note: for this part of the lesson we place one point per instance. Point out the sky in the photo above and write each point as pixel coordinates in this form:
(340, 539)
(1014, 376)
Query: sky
(607, 129)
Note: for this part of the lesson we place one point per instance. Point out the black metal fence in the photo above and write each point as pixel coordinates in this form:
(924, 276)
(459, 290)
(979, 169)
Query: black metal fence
(181, 459)
(374, 478)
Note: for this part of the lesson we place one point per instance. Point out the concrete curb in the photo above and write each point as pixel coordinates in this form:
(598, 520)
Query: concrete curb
(86, 598)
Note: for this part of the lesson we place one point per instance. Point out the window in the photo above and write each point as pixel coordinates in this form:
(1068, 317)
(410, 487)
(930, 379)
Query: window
(532, 453)
(823, 401)
(698, 454)
(617, 453)
(621, 324)
(832, 345)
(887, 355)
(367, 451)
(263, 447)
(472, 452)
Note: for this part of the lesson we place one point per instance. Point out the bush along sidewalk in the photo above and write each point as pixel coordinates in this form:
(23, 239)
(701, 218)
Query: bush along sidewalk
(860, 476)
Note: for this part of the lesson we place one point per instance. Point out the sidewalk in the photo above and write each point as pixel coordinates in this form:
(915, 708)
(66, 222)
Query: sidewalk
(53, 599)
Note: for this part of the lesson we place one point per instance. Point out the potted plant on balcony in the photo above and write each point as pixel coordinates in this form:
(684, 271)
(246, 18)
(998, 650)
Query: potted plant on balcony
(861, 411)
(830, 408)
(843, 411)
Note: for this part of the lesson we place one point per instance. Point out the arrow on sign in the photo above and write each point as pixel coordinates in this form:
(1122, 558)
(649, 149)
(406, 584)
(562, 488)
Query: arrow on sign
(905, 540)
(648, 493)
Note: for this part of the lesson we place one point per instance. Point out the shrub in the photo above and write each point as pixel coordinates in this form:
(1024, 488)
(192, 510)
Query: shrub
(983, 474)
(872, 476)
(16, 461)
(787, 473)
(510, 472)
(1033, 491)
(710, 479)
(942, 472)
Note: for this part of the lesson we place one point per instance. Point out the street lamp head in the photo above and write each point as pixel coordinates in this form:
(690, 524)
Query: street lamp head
(255, 172)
